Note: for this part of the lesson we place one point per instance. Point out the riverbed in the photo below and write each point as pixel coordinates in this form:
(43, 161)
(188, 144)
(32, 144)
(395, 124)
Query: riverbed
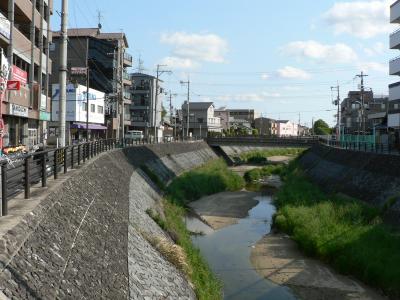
(227, 247)
(234, 236)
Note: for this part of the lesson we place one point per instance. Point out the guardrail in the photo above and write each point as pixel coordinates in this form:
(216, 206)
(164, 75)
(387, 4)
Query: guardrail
(246, 140)
(19, 175)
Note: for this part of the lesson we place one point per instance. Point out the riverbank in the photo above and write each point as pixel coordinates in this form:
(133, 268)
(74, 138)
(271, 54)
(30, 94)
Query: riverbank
(343, 232)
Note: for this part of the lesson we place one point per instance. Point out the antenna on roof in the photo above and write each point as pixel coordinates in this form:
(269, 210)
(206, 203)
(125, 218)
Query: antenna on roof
(99, 17)
(140, 64)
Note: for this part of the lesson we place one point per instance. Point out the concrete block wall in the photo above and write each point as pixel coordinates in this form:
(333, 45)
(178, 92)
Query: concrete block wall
(85, 240)
(370, 177)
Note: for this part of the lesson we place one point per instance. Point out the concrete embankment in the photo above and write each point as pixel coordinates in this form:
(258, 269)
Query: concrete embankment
(374, 178)
(86, 238)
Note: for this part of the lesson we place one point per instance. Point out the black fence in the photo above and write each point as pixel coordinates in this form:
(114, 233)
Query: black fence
(23, 171)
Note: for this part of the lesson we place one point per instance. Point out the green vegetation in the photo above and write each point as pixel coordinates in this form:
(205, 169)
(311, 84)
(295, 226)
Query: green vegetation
(344, 232)
(260, 156)
(258, 173)
(213, 177)
(321, 128)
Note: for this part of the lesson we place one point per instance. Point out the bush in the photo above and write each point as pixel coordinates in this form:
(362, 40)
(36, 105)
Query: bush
(344, 232)
(258, 173)
(261, 156)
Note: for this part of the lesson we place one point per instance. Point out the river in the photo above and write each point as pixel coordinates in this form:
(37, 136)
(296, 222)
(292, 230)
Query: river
(227, 250)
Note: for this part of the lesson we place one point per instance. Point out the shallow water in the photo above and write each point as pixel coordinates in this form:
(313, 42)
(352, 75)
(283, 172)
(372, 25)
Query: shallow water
(228, 253)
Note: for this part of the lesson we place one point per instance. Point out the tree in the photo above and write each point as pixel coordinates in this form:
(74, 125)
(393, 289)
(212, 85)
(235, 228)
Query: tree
(321, 128)
(254, 131)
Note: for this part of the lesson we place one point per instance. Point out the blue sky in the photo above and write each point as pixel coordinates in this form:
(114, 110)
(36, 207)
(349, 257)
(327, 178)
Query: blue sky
(278, 59)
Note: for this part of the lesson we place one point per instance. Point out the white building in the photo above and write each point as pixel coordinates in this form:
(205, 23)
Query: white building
(286, 128)
(201, 119)
(76, 114)
(394, 69)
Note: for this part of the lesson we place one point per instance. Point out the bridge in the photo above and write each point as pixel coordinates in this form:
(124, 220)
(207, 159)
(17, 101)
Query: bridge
(261, 141)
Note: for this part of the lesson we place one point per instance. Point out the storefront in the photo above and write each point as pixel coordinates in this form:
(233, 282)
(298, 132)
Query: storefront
(78, 132)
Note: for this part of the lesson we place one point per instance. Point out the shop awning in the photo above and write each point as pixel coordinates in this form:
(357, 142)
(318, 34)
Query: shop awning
(91, 126)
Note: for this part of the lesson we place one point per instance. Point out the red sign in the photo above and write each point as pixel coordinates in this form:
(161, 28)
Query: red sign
(19, 75)
(13, 85)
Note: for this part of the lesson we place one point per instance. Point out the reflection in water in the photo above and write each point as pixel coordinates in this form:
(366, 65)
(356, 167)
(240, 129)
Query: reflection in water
(228, 253)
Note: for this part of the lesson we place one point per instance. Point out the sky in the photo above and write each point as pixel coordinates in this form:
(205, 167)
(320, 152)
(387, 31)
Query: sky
(279, 58)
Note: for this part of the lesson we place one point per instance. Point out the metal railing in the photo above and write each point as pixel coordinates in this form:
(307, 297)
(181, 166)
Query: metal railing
(20, 174)
(380, 148)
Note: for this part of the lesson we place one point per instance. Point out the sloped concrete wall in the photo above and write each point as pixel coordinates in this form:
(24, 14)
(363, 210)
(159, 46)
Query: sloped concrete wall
(371, 177)
(85, 240)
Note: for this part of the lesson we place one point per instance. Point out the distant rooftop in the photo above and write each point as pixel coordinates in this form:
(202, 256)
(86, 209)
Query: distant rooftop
(197, 105)
(94, 32)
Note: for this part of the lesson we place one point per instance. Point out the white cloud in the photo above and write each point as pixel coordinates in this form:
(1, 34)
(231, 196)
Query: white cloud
(248, 97)
(191, 49)
(264, 76)
(377, 49)
(363, 19)
(293, 73)
(179, 63)
(337, 53)
(374, 66)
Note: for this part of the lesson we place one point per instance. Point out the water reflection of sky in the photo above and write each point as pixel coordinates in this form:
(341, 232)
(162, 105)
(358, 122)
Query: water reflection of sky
(228, 253)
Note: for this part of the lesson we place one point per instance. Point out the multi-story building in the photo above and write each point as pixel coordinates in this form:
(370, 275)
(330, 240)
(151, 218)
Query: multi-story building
(77, 113)
(145, 113)
(223, 114)
(266, 126)
(24, 36)
(243, 114)
(201, 119)
(105, 56)
(394, 69)
(286, 128)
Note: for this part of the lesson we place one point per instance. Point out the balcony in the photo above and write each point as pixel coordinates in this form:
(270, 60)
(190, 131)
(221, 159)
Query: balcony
(395, 40)
(127, 79)
(394, 66)
(394, 91)
(128, 60)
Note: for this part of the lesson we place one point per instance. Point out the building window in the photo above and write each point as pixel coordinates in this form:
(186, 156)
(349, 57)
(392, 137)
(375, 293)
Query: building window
(396, 106)
(200, 120)
(92, 108)
(383, 106)
(100, 109)
(84, 106)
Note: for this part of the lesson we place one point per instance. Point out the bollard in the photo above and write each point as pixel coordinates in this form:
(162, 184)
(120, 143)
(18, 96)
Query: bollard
(84, 152)
(44, 169)
(27, 179)
(79, 154)
(4, 200)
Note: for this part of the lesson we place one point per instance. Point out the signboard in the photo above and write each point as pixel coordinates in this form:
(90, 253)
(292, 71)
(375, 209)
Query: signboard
(19, 74)
(18, 110)
(44, 116)
(78, 71)
(43, 102)
(5, 27)
(13, 85)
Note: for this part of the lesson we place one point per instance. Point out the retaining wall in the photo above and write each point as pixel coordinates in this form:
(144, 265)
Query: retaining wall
(85, 240)
(371, 177)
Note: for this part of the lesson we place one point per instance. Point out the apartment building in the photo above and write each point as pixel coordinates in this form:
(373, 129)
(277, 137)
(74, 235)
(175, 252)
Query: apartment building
(24, 37)
(107, 60)
(394, 69)
(243, 114)
(201, 119)
(145, 113)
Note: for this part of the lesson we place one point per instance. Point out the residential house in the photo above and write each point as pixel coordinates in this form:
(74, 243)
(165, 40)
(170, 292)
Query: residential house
(201, 119)
(286, 128)
(223, 114)
(266, 126)
(242, 114)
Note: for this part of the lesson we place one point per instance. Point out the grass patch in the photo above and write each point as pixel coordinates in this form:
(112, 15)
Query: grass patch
(344, 232)
(261, 156)
(213, 177)
(258, 173)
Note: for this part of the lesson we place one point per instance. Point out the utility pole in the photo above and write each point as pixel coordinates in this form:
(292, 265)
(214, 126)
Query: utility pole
(361, 76)
(63, 71)
(87, 90)
(337, 102)
(298, 127)
(159, 73)
(187, 108)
